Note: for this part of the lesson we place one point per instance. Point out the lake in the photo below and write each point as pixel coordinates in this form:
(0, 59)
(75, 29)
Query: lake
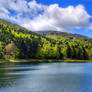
(46, 77)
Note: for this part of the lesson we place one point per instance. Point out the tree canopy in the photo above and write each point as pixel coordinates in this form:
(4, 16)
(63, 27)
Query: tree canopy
(18, 42)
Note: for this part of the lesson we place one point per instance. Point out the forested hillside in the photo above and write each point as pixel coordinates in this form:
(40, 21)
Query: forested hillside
(59, 34)
(18, 42)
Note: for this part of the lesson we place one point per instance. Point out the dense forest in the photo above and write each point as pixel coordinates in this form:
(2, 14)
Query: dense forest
(17, 42)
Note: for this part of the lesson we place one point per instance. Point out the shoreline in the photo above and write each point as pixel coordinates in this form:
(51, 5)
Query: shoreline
(43, 61)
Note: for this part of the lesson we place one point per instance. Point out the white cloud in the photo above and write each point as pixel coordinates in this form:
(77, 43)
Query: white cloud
(36, 16)
(19, 5)
(90, 27)
(34, 5)
(16, 5)
(57, 18)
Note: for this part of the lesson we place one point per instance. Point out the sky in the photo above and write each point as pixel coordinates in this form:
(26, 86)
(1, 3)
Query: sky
(73, 16)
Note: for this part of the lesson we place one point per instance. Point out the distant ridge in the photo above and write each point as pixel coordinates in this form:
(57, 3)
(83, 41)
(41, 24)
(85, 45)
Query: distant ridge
(63, 34)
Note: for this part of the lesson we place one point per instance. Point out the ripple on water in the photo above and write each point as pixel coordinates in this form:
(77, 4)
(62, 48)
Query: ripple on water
(46, 77)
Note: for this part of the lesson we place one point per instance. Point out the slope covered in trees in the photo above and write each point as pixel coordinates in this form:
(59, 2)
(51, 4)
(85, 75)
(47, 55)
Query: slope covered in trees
(18, 42)
(72, 46)
(59, 34)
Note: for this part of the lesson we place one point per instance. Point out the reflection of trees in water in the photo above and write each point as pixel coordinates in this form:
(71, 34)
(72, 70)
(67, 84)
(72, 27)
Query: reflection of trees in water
(7, 79)
(8, 76)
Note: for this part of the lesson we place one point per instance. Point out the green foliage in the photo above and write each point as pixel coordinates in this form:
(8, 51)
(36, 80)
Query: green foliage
(1, 51)
(18, 42)
(16, 53)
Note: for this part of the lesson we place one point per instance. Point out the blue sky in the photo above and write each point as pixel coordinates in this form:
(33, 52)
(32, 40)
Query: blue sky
(72, 16)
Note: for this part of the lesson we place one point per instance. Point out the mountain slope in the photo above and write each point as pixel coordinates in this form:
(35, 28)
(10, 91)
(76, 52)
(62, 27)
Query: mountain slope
(24, 40)
(61, 34)
(18, 42)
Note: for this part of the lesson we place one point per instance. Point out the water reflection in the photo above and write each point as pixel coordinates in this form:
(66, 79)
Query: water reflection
(46, 77)
(10, 73)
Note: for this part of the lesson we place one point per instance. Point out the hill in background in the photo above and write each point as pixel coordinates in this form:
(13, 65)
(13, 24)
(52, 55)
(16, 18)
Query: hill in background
(59, 34)
(19, 42)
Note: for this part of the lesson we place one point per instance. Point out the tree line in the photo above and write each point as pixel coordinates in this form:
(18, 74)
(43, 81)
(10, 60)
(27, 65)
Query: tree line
(18, 42)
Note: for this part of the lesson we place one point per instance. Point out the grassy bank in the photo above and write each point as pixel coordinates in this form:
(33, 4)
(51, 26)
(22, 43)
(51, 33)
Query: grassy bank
(43, 60)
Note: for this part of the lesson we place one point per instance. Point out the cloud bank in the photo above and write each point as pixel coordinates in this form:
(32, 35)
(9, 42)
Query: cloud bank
(37, 17)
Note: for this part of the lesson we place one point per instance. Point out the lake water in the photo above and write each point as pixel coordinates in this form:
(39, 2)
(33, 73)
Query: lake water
(46, 77)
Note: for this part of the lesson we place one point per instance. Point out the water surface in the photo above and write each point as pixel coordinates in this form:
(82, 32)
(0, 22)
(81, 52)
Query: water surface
(46, 77)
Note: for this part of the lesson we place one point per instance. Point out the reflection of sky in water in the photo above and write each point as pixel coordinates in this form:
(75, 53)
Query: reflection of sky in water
(47, 77)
